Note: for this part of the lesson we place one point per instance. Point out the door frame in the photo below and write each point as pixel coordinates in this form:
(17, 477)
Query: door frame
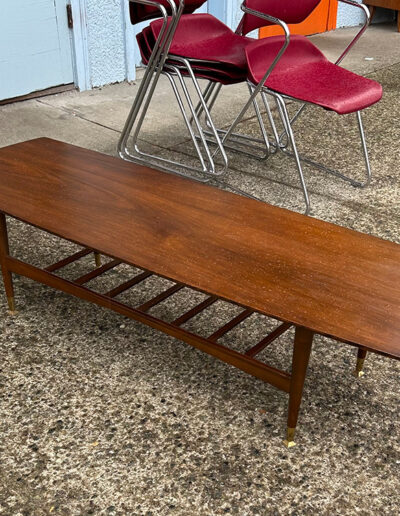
(80, 45)
(81, 48)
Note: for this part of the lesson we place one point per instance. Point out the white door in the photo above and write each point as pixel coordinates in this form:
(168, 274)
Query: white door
(35, 46)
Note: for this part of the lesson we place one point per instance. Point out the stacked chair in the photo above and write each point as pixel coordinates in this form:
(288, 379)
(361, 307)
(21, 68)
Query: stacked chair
(181, 45)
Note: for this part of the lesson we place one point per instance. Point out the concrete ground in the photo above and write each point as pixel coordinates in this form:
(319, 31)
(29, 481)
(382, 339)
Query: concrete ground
(99, 415)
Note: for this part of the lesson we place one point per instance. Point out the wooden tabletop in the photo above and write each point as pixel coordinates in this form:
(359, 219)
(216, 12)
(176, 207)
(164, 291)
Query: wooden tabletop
(331, 280)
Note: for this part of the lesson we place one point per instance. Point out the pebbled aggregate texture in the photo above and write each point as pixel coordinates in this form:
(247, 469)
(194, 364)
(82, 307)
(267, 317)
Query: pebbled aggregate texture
(101, 415)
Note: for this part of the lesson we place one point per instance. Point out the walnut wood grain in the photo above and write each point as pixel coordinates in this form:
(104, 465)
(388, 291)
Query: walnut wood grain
(325, 278)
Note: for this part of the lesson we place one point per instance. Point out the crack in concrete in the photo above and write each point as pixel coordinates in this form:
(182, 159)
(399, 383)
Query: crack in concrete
(77, 115)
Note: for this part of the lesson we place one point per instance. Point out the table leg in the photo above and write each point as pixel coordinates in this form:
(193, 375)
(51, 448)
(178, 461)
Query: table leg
(97, 259)
(372, 11)
(361, 356)
(5, 251)
(398, 21)
(301, 354)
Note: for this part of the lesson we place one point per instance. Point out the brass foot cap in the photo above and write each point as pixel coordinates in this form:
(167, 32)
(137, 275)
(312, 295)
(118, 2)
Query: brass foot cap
(97, 259)
(11, 306)
(358, 374)
(289, 441)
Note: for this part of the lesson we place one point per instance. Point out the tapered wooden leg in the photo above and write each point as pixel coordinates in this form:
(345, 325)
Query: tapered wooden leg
(7, 277)
(372, 11)
(361, 356)
(301, 354)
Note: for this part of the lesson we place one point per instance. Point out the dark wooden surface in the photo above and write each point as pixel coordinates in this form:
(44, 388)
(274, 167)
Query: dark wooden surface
(317, 275)
(388, 4)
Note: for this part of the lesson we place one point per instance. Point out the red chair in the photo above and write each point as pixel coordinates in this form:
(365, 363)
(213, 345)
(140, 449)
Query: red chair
(200, 46)
(292, 68)
(197, 46)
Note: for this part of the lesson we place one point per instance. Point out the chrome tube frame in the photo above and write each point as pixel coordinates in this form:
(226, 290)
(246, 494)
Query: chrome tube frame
(299, 159)
(289, 131)
(257, 88)
(158, 65)
(152, 73)
(258, 148)
(163, 163)
(211, 94)
(365, 9)
(201, 139)
(217, 141)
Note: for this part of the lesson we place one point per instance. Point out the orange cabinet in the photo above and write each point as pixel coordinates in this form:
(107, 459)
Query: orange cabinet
(323, 18)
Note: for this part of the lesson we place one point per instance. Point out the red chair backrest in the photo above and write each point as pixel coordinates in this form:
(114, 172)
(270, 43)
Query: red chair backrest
(290, 11)
(140, 12)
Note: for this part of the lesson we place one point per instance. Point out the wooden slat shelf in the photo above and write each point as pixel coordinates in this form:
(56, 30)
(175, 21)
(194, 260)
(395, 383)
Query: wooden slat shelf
(163, 296)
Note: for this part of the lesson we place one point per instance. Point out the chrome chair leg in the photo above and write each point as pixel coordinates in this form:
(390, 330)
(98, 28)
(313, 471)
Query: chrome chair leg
(288, 128)
(320, 166)
(147, 86)
(277, 138)
(196, 121)
(163, 163)
(365, 152)
(292, 121)
(208, 166)
(210, 96)
(151, 76)
(258, 148)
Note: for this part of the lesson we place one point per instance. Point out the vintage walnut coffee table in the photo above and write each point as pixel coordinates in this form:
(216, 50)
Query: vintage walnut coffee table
(317, 277)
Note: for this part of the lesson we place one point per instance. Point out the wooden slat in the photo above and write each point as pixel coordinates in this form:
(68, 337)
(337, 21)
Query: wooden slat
(128, 284)
(252, 352)
(97, 272)
(230, 325)
(161, 297)
(277, 378)
(194, 311)
(68, 260)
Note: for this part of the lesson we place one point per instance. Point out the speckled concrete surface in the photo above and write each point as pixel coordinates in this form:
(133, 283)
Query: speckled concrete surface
(100, 415)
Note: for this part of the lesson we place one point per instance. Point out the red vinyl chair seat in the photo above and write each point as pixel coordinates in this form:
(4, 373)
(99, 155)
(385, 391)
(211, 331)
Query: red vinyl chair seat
(203, 37)
(202, 69)
(304, 73)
